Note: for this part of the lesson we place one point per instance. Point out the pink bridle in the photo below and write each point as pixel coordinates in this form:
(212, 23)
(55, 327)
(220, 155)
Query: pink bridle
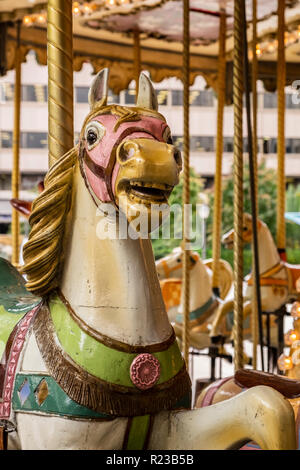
(99, 165)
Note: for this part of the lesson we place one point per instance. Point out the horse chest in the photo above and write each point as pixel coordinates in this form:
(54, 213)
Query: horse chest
(43, 414)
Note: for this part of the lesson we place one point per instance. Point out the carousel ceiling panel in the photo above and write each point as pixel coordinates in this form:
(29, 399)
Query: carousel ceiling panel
(163, 58)
(163, 19)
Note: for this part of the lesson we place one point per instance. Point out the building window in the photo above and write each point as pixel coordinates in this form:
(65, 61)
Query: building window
(202, 98)
(82, 95)
(178, 141)
(5, 139)
(270, 100)
(34, 140)
(289, 102)
(201, 144)
(197, 143)
(162, 97)
(130, 96)
(34, 93)
(177, 99)
(6, 91)
(197, 98)
(228, 144)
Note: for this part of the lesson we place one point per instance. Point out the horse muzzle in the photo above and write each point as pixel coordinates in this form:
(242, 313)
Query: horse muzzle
(148, 170)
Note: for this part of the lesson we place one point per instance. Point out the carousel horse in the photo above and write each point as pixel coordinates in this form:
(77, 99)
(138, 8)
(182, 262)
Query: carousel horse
(203, 302)
(89, 357)
(244, 379)
(277, 279)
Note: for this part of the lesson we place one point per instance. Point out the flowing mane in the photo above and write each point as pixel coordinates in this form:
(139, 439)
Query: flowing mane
(42, 252)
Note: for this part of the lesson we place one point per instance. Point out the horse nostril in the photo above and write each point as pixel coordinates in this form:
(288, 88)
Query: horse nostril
(126, 151)
(177, 156)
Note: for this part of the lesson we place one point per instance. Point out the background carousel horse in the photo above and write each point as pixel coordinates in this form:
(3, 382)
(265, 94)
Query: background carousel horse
(244, 379)
(95, 363)
(203, 302)
(277, 279)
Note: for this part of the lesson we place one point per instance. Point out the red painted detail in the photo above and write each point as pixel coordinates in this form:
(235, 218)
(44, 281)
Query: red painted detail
(15, 352)
(209, 396)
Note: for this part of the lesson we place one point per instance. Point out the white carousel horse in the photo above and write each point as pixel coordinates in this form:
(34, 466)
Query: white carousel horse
(203, 302)
(95, 365)
(277, 278)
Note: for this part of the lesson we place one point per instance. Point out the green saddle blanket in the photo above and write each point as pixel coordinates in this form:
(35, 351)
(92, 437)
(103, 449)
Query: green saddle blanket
(15, 300)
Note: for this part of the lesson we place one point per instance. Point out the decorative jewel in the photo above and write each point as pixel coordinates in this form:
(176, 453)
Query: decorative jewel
(145, 371)
(41, 392)
(24, 391)
(284, 362)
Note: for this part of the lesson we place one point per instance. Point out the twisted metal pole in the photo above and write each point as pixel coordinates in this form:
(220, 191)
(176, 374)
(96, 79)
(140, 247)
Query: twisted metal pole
(186, 176)
(256, 297)
(238, 77)
(217, 217)
(15, 177)
(281, 80)
(60, 78)
(254, 324)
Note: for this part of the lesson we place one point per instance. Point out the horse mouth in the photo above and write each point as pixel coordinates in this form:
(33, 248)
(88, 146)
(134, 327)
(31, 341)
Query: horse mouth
(144, 192)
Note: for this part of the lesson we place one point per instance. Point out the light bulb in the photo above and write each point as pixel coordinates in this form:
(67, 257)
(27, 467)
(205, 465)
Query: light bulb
(27, 20)
(284, 362)
(290, 337)
(87, 8)
(41, 18)
(258, 50)
(295, 311)
(76, 8)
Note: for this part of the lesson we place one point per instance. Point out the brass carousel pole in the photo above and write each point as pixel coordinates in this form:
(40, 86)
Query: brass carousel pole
(15, 180)
(254, 324)
(137, 60)
(281, 79)
(238, 78)
(60, 78)
(217, 222)
(186, 176)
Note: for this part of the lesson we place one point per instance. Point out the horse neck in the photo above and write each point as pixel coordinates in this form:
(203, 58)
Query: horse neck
(200, 287)
(268, 254)
(112, 285)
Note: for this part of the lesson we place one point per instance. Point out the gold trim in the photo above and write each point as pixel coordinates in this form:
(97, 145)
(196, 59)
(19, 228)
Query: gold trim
(96, 394)
(113, 343)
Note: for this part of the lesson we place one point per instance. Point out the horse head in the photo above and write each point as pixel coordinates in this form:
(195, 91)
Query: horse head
(126, 159)
(247, 233)
(171, 265)
(126, 154)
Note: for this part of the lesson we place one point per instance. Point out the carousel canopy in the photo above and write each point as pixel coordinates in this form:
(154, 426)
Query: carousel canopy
(103, 33)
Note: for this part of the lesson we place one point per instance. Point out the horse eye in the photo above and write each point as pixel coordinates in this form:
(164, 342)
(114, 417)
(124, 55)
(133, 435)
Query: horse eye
(245, 228)
(93, 134)
(91, 137)
(178, 260)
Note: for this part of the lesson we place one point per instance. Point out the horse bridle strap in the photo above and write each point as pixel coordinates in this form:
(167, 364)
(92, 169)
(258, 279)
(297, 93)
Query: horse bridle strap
(266, 279)
(105, 173)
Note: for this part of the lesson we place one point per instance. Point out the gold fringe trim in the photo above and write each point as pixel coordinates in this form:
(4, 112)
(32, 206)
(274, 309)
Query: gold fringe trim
(96, 394)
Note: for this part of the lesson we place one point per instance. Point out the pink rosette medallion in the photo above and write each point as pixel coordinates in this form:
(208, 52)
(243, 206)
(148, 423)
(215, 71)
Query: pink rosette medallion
(144, 371)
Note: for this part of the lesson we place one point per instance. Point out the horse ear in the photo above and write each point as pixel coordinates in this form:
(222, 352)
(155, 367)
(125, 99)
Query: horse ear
(147, 96)
(99, 88)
